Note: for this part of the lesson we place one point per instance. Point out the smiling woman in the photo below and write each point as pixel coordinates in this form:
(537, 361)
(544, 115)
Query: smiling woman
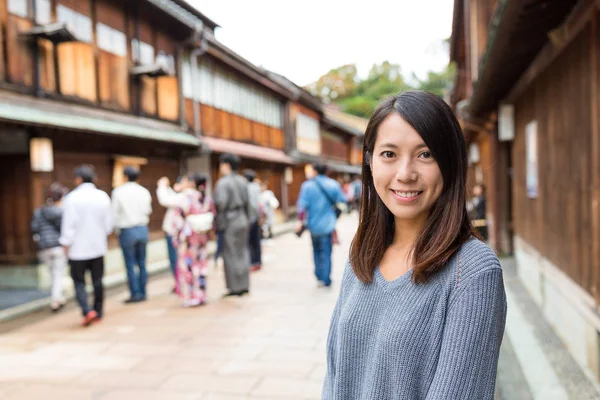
(422, 307)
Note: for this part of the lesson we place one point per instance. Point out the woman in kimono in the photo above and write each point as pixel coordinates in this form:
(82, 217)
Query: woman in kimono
(192, 255)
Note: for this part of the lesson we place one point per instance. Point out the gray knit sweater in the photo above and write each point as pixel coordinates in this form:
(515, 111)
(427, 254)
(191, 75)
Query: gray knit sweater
(401, 340)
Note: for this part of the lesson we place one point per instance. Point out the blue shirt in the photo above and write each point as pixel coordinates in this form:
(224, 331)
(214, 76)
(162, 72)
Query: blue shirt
(321, 217)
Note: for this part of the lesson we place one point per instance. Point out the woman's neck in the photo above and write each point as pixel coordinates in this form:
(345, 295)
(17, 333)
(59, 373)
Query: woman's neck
(406, 232)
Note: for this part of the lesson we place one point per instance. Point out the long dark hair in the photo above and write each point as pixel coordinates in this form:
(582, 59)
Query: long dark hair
(447, 227)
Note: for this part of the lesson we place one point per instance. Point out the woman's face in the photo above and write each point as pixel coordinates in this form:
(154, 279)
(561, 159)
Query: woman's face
(406, 177)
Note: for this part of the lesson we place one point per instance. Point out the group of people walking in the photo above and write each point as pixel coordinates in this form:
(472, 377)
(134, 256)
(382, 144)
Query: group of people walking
(73, 229)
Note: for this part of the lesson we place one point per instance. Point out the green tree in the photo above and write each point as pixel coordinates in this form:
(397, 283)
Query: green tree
(359, 97)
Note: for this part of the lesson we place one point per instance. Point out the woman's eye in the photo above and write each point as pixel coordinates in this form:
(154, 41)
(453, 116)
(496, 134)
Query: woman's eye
(387, 154)
(426, 155)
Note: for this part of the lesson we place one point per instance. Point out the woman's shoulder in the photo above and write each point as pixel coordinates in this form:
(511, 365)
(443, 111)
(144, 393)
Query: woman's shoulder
(472, 258)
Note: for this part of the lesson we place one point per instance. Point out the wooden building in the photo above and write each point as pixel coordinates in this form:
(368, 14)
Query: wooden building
(138, 82)
(541, 79)
(236, 108)
(87, 81)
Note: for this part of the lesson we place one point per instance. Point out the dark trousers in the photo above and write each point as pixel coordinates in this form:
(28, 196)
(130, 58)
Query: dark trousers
(133, 243)
(254, 243)
(172, 254)
(322, 248)
(96, 268)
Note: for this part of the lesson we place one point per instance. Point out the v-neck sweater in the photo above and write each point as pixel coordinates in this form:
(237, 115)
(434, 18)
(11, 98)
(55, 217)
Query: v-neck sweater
(402, 340)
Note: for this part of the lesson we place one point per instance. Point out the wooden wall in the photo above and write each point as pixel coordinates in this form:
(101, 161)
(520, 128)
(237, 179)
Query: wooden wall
(335, 146)
(76, 61)
(18, 53)
(113, 70)
(66, 162)
(221, 124)
(16, 244)
(559, 222)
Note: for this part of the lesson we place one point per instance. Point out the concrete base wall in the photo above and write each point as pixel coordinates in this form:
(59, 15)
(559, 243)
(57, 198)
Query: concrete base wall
(568, 308)
(38, 276)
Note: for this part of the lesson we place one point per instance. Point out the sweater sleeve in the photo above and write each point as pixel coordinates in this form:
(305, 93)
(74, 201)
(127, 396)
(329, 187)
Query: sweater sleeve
(332, 338)
(471, 340)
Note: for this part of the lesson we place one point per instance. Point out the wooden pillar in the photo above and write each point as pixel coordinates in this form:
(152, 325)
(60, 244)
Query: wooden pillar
(595, 158)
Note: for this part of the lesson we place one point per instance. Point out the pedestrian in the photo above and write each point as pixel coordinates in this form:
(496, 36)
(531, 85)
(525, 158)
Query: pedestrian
(318, 212)
(357, 184)
(348, 188)
(234, 213)
(167, 197)
(87, 222)
(477, 208)
(194, 222)
(422, 307)
(132, 206)
(45, 226)
(269, 204)
(254, 190)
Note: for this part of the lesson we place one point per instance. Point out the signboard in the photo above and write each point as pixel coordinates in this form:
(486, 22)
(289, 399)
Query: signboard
(506, 123)
(532, 159)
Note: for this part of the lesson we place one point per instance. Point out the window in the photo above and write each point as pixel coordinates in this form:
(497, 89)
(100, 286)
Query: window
(168, 61)
(78, 23)
(186, 79)
(111, 40)
(18, 7)
(143, 53)
(43, 15)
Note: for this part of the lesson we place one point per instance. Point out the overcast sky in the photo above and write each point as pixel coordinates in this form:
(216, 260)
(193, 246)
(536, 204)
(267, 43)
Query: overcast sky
(304, 40)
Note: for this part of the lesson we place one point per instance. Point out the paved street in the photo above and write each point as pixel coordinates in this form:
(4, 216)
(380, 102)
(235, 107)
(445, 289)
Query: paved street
(269, 345)
(264, 346)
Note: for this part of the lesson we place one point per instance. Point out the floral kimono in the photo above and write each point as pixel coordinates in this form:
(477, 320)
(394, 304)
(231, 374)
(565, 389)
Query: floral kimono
(192, 256)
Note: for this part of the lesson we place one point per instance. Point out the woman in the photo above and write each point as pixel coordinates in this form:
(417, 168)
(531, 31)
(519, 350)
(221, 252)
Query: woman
(422, 306)
(45, 226)
(269, 204)
(169, 199)
(192, 256)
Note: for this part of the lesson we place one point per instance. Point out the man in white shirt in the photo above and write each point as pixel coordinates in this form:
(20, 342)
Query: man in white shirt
(86, 223)
(132, 206)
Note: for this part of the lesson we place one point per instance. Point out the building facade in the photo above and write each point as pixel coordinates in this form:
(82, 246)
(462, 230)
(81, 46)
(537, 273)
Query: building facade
(541, 80)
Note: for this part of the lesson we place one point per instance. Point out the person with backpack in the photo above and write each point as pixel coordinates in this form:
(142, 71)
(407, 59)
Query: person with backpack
(318, 212)
(193, 222)
(45, 226)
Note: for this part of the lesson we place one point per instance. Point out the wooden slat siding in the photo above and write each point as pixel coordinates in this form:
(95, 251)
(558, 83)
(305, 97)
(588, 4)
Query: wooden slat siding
(168, 87)
(559, 223)
(113, 71)
(189, 115)
(3, 19)
(16, 243)
(594, 275)
(81, 6)
(113, 74)
(236, 125)
(246, 130)
(46, 65)
(18, 51)
(277, 140)
(296, 108)
(168, 98)
(111, 13)
(207, 119)
(77, 72)
(65, 163)
(148, 95)
(298, 178)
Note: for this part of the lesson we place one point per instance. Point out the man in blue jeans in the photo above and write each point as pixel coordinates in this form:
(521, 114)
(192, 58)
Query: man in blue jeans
(132, 206)
(318, 196)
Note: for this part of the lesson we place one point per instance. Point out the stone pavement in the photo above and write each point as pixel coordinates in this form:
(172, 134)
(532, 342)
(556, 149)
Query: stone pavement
(268, 345)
